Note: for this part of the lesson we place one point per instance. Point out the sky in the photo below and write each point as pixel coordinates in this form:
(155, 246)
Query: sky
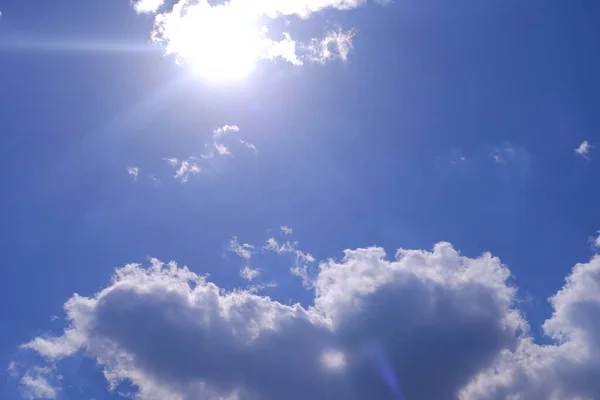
(300, 199)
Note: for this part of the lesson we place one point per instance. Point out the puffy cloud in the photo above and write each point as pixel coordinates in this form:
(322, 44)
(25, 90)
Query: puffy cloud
(583, 148)
(147, 6)
(249, 274)
(378, 328)
(133, 172)
(564, 370)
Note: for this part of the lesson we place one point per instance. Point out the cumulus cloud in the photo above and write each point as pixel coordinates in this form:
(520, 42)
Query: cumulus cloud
(564, 370)
(184, 168)
(147, 6)
(583, 148)
(378, 328)
(133, 172)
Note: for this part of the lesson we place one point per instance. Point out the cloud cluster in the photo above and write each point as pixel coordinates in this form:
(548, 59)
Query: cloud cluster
(378, 328)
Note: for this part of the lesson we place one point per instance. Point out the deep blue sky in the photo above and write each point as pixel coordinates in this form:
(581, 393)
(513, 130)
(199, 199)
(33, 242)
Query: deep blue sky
(349, 154)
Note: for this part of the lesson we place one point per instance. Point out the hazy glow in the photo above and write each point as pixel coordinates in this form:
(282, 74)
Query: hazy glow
(220, 43)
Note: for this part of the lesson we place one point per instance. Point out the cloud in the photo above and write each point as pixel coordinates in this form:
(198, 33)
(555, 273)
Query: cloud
(226, 128)
(286, 230)
(222, 149)
(565, 369)
(249, 145)
(302, 261)
(226, 39)
(583, 148)
(184, 168)
(34, 384)
(249, 274)
(243, 250)
(133, 172)
(336, 44)
(378, 328)
(147, 6)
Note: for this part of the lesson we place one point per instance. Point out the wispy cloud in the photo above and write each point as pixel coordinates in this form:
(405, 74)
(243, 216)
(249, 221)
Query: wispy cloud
(222, 149)
(286, 229)
(226, 128)
(243, 250)
(336, 44)
(184, 168)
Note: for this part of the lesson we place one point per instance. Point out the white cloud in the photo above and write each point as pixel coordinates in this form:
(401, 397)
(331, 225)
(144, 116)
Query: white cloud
(583, 148)
(184, 168)
(147, 6)
(222, 149)
(336, 44)
(378, 327)
(34, 384)
(286, 229)
(133, 172)
(562, 370)
(249, 274)
(224, 41)
(249, 145)
(597, 240)
(243, 250)
(226, 128)
(302, 261)
(12, 369)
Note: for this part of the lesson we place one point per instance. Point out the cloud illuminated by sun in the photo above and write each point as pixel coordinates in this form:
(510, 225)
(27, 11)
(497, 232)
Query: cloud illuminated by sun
(219, 42)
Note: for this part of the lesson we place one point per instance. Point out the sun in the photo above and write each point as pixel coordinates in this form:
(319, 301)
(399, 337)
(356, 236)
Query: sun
(220, 43)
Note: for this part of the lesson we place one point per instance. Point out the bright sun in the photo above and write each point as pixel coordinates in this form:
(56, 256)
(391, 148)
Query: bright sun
(220, 43)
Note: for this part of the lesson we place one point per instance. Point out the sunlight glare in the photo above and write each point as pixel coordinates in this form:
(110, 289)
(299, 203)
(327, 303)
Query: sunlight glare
(220, 43)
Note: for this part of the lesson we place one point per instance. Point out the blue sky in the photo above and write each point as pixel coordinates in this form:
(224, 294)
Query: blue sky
(450, 128)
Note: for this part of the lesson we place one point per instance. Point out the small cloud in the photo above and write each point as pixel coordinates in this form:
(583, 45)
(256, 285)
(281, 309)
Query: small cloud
(336, 44)
(248, 145)
(243, 250)
(53, 318)
(498, 159)
(185, 168)
(147, 6)
(12, 369)
(249, 274)
(302, 260)
(226, 128)
(133, 172)
(286, 229)
(222, 149)
(583, 148)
